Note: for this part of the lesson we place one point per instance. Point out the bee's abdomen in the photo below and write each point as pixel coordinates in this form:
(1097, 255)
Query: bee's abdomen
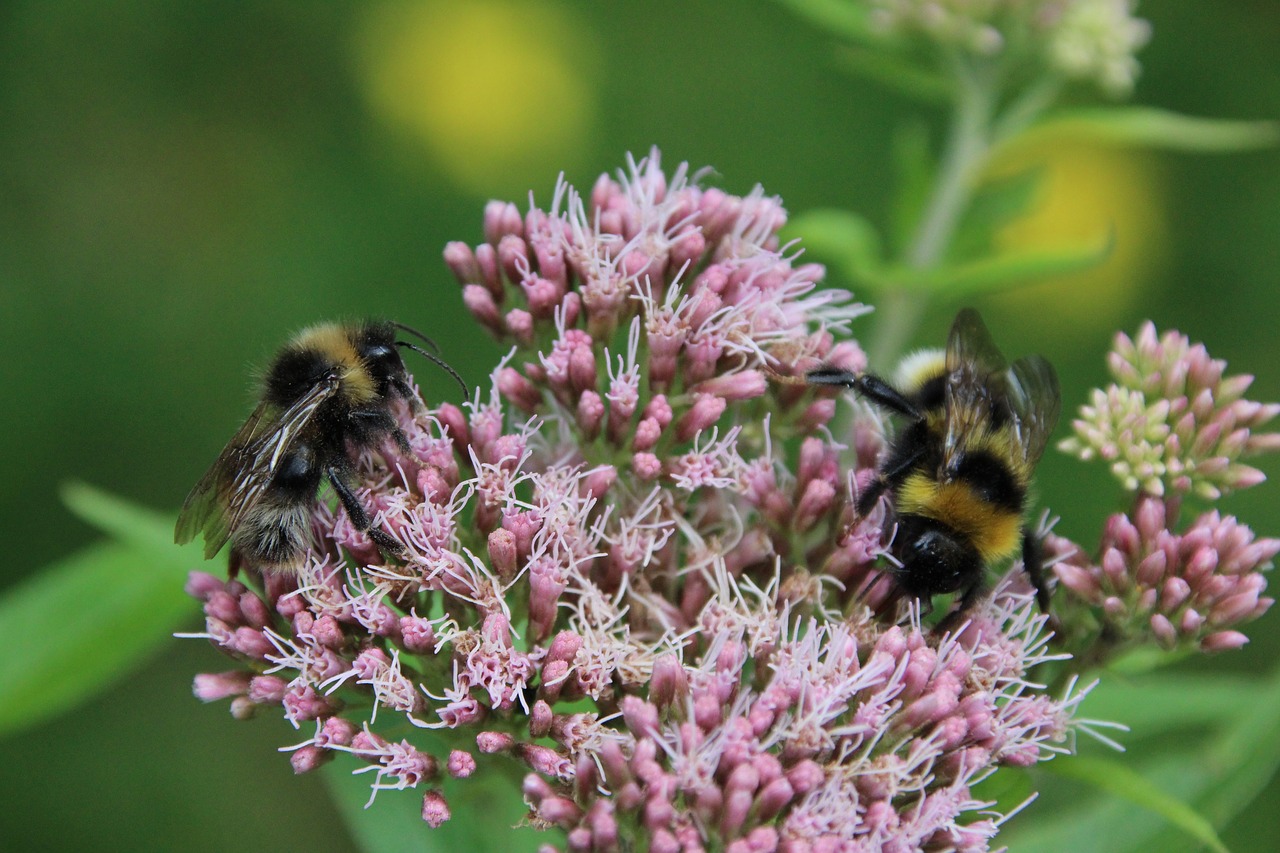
(275, 534)
(993, 529)
(991, 481)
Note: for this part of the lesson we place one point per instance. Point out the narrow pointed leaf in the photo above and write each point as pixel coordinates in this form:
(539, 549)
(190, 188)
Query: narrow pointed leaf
(1117, 778)
(1001, 272)
(122, 520)
(82, 623)
(1149, 127)
(91, 618)
(1171, 701)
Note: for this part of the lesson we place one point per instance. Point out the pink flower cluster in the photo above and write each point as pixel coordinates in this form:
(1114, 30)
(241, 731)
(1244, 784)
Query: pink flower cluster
(626, 564)
(1173, 422)
(848, 736)
(1191, 587)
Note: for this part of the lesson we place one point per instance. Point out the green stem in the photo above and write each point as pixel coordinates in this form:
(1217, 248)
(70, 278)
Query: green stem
(967, 148)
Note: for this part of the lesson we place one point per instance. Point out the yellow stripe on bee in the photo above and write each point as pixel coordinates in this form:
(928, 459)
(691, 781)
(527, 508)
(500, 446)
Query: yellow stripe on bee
(918, 368)
(334, 342)
(993, 531)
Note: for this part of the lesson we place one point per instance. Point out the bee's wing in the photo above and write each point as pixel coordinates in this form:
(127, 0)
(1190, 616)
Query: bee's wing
(205, 508)
(235, 482)
(1034, 401)
(975, 370)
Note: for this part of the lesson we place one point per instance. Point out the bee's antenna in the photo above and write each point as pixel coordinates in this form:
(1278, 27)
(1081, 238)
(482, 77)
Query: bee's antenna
(439, 361)
(402, 327)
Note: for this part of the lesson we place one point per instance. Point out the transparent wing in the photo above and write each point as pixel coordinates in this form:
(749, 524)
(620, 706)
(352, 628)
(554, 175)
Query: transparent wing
(1031, 389)
(204, 510)
(975, 380)
(236, 481)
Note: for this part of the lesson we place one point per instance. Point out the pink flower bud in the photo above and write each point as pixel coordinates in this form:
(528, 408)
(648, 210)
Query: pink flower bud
(210, 687)
(1222, 641)
(646, 466)
(501, 219)
(668, 682)
(734, 387)
(461, 764)
(435, 809)
(265, 689)
(493, 742)
(704, 413)
(590, 414)
(1164, 631)
(1078, 580)
(308, 758)
(251, 643)
(519, 325)
(640, 716)
(201, 585)
(648, 431)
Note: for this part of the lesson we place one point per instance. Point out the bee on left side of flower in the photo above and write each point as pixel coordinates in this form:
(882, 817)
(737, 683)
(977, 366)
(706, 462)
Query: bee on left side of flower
(326, 396)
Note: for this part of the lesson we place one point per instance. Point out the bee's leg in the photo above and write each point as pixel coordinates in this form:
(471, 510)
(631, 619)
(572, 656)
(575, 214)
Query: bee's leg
(867, 385)
(968, 598)
(405, 390)
(380, 421)
(402, 441)
(360, 516)
(893, 469)
(1033, 564)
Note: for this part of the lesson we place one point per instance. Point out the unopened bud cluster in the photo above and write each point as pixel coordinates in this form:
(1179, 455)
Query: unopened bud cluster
(1092, 40)
(1173, 422)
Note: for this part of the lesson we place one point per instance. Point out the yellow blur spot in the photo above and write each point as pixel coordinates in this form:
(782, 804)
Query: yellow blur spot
(496, 90)
(1088, 192)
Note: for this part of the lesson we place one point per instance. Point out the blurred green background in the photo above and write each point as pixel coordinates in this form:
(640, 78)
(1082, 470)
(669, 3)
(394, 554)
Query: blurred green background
(182, 185)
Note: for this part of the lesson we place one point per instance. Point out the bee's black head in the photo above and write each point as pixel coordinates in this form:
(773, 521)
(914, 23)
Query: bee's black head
(935, 558)
(375, 343)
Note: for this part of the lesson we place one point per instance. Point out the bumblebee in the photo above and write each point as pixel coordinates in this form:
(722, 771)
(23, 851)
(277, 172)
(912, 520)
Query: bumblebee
(958, 473)
(326, 396)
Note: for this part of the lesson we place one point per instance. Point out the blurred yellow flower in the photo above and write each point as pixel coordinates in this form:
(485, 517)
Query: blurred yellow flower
(1087, 192)
(495, 89)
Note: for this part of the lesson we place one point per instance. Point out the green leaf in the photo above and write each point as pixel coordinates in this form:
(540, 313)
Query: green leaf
(1143, 659)
(1245, 757)
(841, 239)
(896, 72)
(999, 272)
(485, 809)
(89, 619)
(82, 623)
(838, 17)
(1219, 776)
(995, 204)
(125, 521)
(1119, 779)
(1167, 702)
(1149, 127)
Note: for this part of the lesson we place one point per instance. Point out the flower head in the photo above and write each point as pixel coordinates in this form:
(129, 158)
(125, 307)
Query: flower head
(1180, 588)
(626, 563)
(1173, 422)
(1092, 40)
